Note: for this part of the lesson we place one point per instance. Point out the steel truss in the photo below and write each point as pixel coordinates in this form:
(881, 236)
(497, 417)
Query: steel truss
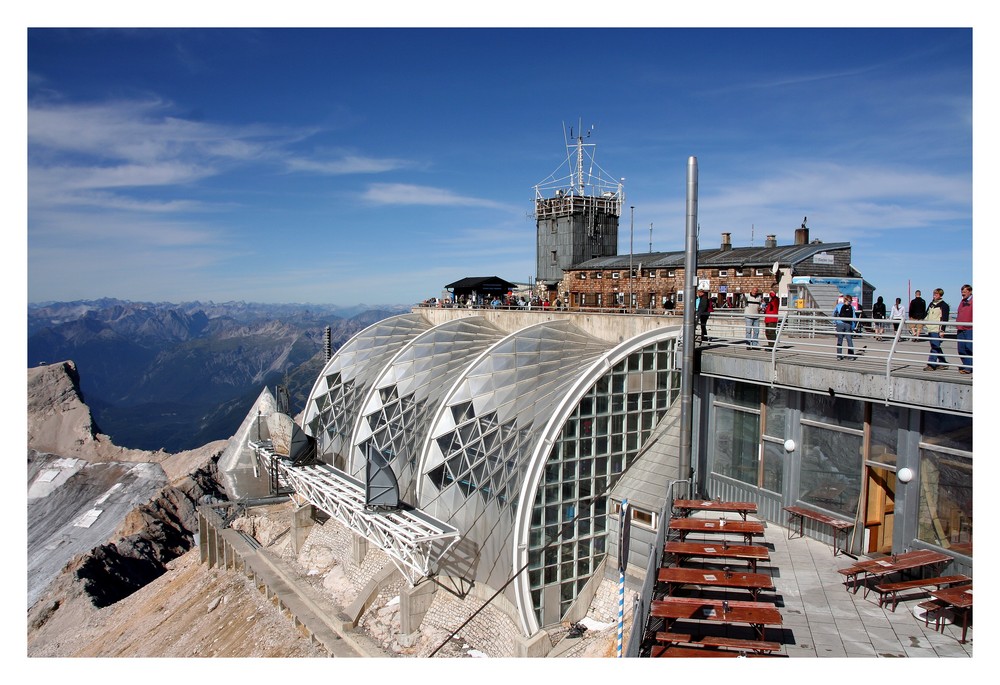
(414, 541)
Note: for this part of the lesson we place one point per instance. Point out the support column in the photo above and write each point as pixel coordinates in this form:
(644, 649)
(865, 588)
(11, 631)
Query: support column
(302, 523)
(359, 548)
(538, 645)
(413, 606)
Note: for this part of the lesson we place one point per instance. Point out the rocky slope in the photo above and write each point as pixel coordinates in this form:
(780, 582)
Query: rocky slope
(113, 570)
(109, 534)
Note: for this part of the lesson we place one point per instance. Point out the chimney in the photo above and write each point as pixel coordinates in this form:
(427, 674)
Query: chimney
(802, 236)
(726, 245)
(770, 241)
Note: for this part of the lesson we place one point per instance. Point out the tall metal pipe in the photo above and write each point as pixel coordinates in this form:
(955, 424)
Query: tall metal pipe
(687, 345)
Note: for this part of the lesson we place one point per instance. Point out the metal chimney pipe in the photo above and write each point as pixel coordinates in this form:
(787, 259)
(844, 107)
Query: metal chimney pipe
(690, 284)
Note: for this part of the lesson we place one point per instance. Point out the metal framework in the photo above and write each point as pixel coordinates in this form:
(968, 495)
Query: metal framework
(414, 541)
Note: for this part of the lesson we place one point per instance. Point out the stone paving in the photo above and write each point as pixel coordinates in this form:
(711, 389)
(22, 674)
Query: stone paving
(822, 619)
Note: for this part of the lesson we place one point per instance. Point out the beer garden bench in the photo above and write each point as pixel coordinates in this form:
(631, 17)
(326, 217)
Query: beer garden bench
(836, 524)
(890, 591)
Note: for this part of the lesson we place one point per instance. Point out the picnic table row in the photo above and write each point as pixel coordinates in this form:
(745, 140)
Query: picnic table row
(952, 592)
(691, 624)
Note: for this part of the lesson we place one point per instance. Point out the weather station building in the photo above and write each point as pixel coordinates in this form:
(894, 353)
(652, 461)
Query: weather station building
(486, 453)
(578, 220)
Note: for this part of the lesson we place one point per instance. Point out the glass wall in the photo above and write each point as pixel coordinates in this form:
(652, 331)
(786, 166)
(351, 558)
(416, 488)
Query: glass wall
(606, 430)
(945, 482)
(742, 451)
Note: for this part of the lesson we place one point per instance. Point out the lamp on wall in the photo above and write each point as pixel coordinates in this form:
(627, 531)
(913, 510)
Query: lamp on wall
(789, 445)
(904, 475)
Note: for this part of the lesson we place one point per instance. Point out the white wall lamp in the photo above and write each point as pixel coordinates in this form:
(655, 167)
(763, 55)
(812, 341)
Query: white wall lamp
(904, 475)
(789, 445)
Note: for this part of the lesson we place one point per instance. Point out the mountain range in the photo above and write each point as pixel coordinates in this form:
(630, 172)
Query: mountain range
(177, 376)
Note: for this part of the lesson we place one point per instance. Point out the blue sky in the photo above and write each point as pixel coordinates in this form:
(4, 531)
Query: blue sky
(377, 165)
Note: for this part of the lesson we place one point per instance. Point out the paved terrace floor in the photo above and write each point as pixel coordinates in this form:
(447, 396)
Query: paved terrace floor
(821, 618)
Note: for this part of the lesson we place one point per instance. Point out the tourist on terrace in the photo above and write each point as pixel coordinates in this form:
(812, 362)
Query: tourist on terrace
(751, 316)
(878, 313)
(918, 310)
(964, 334)
(896, 315)
(843, 315)
(937, 311)
(771, 318)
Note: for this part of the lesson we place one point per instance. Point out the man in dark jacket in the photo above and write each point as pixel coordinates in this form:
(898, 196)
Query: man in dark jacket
(918, 310)
(701, 311)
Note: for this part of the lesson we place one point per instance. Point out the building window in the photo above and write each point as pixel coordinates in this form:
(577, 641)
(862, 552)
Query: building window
(600, 440)
(583, 299)
(737, 443)
(582, 275)
(945, 482)
(723, 273)
(739, 272)
(830, 477)
(554, 260)
(758, 272)
(742, 451)
(670, 274)
(600, 299)
(599, 275)
(615, 274)
(652, 274)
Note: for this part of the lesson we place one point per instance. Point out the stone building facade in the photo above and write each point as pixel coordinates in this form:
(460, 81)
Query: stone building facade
(655, 280)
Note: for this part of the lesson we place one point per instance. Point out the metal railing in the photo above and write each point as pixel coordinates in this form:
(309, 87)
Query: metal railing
(643, 600)
(891, 345)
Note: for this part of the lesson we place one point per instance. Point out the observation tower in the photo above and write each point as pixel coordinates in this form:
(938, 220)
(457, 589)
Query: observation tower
(577, 209)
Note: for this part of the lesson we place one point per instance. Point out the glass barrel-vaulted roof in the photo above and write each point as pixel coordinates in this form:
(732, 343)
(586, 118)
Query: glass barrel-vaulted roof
(475, 456)
(336, 397)
(396, 414)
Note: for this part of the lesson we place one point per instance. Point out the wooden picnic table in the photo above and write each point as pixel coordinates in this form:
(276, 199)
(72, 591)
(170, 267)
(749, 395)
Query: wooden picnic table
(958, 597)
(747, 529)
(752, 582)
(684, 507)
(758, 615)
(897, 563)
(720, 550)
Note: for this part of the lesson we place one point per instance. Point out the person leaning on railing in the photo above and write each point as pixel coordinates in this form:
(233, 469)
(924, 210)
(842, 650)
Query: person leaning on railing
(964, 334)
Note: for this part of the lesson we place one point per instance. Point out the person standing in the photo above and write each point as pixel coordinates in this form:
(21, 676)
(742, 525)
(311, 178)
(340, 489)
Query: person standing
(751, 317)
(878, 314)
(896, 315)
(918, 310)
(771, 318)
(964, 335)
(701, 311)
(843, 315)
(937, 314)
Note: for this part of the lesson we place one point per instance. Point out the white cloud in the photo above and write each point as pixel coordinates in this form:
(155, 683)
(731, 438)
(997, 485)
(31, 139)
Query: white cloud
(348, 164)
(408, 194)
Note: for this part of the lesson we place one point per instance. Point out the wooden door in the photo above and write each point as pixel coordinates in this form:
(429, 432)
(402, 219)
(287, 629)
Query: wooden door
(879, 510)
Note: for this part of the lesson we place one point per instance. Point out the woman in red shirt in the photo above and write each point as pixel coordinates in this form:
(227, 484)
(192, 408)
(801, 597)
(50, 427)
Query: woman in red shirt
(771, 318)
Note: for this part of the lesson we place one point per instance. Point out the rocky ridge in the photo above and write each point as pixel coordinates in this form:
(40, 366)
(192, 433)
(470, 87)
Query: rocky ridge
(142, 591)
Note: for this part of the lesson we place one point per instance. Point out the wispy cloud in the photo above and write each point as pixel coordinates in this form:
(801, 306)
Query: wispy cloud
(409, 194)
(347, 164)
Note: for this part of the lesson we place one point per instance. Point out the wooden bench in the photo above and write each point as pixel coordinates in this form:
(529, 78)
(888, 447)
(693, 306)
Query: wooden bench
(851, 574)
(890, 591)
(932, 610)
(711, 641)
(659, 651)
(835, 523)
